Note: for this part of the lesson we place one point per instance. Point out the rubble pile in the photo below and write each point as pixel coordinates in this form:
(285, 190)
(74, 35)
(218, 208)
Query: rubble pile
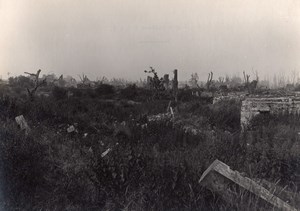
(160, 117)
(274, 105)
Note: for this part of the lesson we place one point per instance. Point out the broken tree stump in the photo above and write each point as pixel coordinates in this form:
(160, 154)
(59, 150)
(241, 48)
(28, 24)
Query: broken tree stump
(22, 124)
(231, 185)
(175, 85)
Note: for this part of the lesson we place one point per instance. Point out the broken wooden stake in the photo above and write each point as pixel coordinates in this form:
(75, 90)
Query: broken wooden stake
(105, 152)
(22, 124)
(230, 184)
(172, 112)
(169, 105)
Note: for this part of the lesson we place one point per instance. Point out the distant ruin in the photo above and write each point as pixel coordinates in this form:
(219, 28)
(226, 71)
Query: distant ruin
(274, 105)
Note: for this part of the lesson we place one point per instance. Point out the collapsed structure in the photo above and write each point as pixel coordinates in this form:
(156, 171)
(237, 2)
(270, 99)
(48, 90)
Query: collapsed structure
(273, 105)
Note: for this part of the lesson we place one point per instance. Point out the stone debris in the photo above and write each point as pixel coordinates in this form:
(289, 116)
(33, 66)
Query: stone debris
(236, 98)
(160, 117)
(105, 152)
(131, 102)
(191, 129)
(22, 123)
(71, 129)
(144, 126)
(254, 106)
(230, 184)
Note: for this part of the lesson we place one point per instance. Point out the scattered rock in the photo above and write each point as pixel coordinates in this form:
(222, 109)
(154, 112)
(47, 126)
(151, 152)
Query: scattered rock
(105, 152)
(71, 129)
(144, 126)
(22, 123)
(131, 102)
(160, 117)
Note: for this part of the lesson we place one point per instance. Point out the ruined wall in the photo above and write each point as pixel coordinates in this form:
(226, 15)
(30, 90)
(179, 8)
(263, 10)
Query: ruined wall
(236, 97)
(254, 106)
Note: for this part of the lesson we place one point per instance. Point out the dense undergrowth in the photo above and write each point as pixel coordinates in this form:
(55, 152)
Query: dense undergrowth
(151, 165)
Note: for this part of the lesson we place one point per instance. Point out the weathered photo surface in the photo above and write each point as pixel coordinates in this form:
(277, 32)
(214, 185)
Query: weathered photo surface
(150, 105)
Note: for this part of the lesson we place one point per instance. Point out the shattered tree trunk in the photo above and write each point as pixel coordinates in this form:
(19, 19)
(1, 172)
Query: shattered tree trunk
(166, 81)
(175, 85)
(230, 185)
(31, 92)
(209, 80)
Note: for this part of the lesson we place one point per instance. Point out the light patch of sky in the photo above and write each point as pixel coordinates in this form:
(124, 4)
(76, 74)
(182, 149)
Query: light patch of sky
(120, 39)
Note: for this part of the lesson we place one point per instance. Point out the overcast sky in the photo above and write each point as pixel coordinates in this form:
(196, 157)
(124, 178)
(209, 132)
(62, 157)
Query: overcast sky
(121, 38)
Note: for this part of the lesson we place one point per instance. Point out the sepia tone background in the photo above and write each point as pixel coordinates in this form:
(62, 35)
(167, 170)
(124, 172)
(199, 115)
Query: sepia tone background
(122, 38)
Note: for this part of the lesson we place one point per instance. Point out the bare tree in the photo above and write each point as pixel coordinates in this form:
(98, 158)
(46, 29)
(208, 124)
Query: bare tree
(281, 80)
(209, 80)
(254, 83)
(37, 83)
(294, 76)
(251, 86)
(60, 81)
(256, 75)
(175, 85)
(221, 80)
(227, 79)
(84, 79)
(246, 79)
(194, 80)
(275, 81)
(155, 83)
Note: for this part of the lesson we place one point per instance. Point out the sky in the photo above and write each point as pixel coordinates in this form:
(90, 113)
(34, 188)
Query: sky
(122, 38)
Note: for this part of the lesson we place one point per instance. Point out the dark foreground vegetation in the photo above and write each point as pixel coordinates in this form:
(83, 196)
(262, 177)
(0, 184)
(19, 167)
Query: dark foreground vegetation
(151, 166)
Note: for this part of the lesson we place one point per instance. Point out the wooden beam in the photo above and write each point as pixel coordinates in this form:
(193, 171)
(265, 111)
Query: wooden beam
(229, 184)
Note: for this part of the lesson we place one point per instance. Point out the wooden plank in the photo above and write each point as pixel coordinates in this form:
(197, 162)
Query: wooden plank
(219, 177)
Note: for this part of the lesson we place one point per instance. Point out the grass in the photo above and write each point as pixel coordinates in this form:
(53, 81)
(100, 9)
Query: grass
(149, 168)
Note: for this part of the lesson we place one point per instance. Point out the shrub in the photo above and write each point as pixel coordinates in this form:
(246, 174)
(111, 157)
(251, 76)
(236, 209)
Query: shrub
(18, 90)
(156, 167)
(77, 92)
(297, 88)
(105, 90)
(22, 165)
(59, 93)
(89, 92)
(22, 81)
(226, 115)
(130, 92)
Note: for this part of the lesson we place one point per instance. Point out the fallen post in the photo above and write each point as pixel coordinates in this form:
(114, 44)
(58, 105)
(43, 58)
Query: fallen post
(230, 184)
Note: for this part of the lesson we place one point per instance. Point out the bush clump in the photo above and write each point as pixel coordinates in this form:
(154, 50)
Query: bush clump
(59, 93)
(105, 90)
(130, 92)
